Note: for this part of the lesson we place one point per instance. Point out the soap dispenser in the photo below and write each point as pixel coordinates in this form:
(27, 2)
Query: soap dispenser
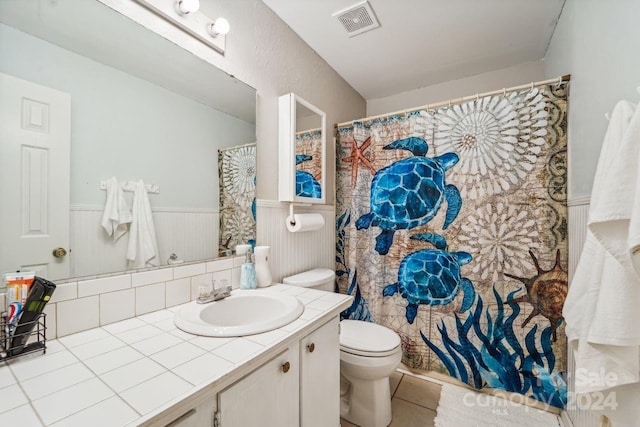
(248, 273)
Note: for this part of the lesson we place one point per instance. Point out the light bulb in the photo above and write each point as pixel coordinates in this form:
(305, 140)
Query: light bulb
(184, 7)
(221, 26)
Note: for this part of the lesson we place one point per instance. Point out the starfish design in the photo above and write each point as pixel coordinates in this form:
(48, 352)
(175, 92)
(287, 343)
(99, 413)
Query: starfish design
(358, 156)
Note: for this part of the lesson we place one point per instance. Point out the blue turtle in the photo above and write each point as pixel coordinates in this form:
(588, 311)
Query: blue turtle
(432, 276)
(408, 193)
(306, 184)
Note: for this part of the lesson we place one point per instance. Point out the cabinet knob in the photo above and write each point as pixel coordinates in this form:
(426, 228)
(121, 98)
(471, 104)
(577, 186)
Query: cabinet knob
(285, 367)
(311, 347)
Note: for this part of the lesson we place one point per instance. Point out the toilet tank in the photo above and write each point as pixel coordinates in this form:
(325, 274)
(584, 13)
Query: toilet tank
(318, 278)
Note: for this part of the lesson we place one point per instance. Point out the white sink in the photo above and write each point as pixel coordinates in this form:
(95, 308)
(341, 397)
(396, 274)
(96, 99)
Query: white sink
(245, 312)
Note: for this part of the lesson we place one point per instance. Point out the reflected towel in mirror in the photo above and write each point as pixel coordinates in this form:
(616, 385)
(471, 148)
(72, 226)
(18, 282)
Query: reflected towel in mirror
(117, 214)
(143, 244)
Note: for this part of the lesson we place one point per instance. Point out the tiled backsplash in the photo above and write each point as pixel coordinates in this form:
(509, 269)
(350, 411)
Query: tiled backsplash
(85, 304)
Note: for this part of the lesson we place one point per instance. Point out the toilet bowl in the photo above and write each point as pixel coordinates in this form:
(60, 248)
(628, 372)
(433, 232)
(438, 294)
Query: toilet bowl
(369, 353)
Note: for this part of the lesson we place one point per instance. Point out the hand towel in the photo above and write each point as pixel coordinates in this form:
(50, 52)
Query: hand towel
(117, 215)
(600, 309)
(142, 249)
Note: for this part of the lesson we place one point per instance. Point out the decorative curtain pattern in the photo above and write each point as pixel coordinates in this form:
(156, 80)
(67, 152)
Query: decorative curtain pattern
(452, 231)
(237, 180)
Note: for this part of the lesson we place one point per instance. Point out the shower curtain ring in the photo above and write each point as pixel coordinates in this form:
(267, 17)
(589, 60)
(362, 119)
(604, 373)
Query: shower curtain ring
(531, 85)
(504, 92)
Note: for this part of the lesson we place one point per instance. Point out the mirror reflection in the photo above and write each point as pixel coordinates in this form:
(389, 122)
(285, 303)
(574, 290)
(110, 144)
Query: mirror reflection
(308, 150)
(135, 107)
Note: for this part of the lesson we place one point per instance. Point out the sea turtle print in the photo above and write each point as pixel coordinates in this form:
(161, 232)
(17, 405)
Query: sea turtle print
(306, 184)
(409, 193)
(432, 276)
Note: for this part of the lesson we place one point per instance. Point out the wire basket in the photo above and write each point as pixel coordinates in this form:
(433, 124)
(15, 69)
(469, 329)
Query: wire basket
(36, 338)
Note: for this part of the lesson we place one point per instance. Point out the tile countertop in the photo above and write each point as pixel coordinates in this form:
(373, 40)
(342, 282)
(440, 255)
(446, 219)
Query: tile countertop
(131, 372)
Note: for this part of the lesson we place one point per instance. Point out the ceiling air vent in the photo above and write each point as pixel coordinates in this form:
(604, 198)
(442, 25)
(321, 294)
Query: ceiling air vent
(358, 18)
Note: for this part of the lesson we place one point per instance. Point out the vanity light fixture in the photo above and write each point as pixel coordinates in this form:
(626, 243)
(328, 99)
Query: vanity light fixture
(185, 7)
(219, 27)
(185, 15)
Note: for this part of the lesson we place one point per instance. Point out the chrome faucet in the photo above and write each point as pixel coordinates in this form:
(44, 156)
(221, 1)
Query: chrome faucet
(215, 294)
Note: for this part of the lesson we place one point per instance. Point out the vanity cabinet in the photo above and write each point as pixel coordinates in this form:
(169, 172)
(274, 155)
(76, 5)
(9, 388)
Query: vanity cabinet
(320, 377)
(266, 397)
(300, 387)
(200, 416)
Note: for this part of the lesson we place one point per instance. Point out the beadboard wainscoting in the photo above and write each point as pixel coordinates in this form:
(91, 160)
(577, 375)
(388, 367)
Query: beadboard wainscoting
(293, 253)
(192, 234)
(95, 301)
(578, 216)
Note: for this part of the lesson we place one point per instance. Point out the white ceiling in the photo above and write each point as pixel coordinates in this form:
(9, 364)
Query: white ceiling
(423, 42)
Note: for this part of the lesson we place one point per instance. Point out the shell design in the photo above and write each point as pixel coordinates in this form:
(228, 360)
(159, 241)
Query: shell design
(409, 193)
(306, 184)
(432, 276)
(546, 292)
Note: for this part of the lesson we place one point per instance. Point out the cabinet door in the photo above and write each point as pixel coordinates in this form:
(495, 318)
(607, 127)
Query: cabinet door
(320, 377)
(200, 416)
(269, 396)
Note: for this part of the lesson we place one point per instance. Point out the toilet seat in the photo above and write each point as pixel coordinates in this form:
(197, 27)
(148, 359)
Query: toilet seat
(361, 353)
(367, 339)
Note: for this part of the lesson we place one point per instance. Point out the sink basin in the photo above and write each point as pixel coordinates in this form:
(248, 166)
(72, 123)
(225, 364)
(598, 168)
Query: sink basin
(245, 312)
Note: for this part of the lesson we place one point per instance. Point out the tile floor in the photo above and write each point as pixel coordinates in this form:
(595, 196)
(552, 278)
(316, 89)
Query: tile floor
(413, 401)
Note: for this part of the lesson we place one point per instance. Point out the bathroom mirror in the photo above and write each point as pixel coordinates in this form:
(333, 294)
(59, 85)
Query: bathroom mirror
(302, 151)
(139, 108)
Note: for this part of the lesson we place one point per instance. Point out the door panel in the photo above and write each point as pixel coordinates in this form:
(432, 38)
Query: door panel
(320, 377)
(266, 397)
(35, 124)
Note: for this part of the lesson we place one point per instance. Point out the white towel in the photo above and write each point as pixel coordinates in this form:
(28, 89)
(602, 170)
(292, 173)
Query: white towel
(601, 306)
(117, 215)
(615, 201)
(143, 245)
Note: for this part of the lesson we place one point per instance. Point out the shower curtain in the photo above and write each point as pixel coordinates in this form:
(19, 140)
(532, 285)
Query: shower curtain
(452, 230)
(237, 183)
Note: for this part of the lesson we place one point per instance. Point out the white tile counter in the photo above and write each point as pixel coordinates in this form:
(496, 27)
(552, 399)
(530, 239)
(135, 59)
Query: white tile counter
(130, 372)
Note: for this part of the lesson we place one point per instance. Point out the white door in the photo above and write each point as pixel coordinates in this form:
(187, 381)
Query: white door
(268, 397)
(35, 126)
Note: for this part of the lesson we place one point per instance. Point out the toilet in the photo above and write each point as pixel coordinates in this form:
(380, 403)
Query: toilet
(369, 353)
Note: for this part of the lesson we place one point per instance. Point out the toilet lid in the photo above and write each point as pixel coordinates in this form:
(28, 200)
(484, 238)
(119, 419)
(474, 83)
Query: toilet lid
(311, 278)
(367, 337)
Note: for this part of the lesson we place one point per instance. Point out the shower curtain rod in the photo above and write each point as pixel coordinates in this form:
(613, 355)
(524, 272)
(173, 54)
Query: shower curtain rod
(237, 146)
(454, 101)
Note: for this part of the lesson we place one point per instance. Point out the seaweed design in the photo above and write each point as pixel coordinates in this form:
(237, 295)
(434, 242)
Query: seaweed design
(500, 361)
(359, 309)
(341, 261)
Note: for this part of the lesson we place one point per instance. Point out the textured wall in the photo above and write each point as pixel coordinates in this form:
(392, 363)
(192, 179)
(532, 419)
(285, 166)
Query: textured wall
(485, 82)
(597, 43)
